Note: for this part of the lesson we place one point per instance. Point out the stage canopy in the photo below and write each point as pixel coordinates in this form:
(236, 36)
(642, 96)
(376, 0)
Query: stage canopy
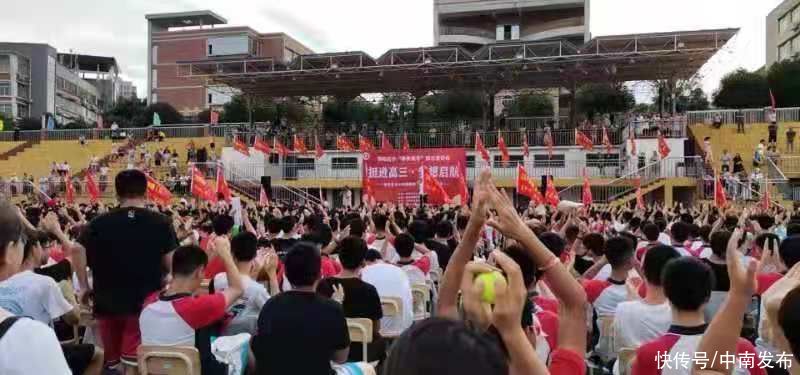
(508, 65)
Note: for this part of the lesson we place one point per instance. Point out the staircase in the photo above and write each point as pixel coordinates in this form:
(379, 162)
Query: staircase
(16, 148)
(630, 195)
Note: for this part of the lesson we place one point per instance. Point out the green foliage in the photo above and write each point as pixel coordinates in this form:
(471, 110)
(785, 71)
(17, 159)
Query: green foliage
(264, 109)
(531, 104)
(79, 124)
(456, 104)
(742, 89)
(204, 117)
(784, 79)
(356, 111)
(127, 113)
(596, 98)
(166, 112)
(644, 108)
(695, 101)
(29, 123)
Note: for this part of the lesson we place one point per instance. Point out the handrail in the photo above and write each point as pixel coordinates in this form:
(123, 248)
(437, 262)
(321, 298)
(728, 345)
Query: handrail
(771, 166)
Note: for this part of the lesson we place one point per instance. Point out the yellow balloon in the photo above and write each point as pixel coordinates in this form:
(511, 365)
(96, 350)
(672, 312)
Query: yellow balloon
(490, 281)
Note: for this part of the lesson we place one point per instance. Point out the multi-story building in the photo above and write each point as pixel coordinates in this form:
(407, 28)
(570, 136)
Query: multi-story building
(38, 84)
(127, 90)
(101, 71)
(186, 36)
(474, 23)
(783, 32)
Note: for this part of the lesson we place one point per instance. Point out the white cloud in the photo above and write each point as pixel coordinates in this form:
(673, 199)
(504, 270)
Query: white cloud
(117, 28)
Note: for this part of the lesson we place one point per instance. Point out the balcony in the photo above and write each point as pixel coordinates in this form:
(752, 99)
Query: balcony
(460, 34)
(484, 6)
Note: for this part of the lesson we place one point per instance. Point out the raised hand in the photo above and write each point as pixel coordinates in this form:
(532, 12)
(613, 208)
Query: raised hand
(742, 277)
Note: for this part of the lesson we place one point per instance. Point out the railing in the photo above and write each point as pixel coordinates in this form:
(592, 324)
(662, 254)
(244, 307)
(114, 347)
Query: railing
(748, 190)
(472, 31)
(789, 165)
(601, 194)
(750, 116)
(240, 178)
(532, 123)
(669, 128)
(773, 171)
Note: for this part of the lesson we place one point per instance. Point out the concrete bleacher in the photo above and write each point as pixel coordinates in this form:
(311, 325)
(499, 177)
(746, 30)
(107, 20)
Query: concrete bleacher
(37, 159)
(726, 138)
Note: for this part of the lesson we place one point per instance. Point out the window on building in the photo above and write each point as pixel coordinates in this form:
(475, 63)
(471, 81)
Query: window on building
(785, 51)
(6, 109)
(5, 88)
(210, 49)
(155, 78)
(210, 98)
(513, 160)
(796, 15)
(344, 163)
(471, 161)
(597, 160)
(784, 23)
(305, 164)
(155, 55)
(507, 32)
(23, 91)
(796, 45)
(544, 161)
(22, 110)
(5, 64)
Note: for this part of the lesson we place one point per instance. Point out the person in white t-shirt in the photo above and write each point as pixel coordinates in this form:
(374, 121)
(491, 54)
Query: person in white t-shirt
(416, 269)
(639, 321)
(390, 281)
(244, 248)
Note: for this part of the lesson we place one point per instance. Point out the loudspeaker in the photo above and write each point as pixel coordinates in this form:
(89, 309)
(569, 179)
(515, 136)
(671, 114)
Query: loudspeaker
(266, 183)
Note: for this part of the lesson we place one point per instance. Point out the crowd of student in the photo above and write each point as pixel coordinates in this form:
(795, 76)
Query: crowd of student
(626, 291)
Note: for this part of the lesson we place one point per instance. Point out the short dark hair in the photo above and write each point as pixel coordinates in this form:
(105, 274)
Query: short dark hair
(687, 283)
(654, 261)
(762, 238)
(594, 242)
(130, 184)
(352, 251)
(187, 259)
(679, 231)
(380, 221)
(789, 319)
(651, 232)
(10, 228)
(404, 244)
(719, 242)
(244, 246)
(439, 346)
(790, 251)
(420, 229)
(373, 255)
(303, 264)
(553, 242)
(526, 265)
(222, 224)
(356, 225)
(571, 232)
(444, 229)
(618, 251)
(793, 228)
(765, 221)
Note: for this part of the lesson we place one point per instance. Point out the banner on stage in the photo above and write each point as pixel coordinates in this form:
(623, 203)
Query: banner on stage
(395, 174)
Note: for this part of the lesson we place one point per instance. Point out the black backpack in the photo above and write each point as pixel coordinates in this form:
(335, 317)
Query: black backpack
(6, 324)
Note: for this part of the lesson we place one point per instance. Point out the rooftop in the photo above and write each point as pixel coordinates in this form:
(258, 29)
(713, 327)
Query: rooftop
(185, 19)
(90, 63)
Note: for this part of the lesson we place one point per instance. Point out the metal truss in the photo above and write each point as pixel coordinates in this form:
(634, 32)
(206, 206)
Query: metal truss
(494, 67)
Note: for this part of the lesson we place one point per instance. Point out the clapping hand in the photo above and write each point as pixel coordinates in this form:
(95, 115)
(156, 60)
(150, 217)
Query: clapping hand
(742, 277)
(338, 293)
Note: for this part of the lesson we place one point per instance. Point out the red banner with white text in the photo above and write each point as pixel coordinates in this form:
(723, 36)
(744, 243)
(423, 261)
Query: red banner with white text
(395, 174)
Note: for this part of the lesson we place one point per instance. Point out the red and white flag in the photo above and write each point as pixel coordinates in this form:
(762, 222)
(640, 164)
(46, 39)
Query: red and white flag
(586, 196)
(280, 148)
(432, 188)
(157, 192)
(263, 200)
(481, 150)
(663, 147)
(365, 144)
(386, 145)
(200, 188)
(344, 144)
(501, 144)
(299, 145)
(607, 141)
(550, 194)
(318, 151)
(526, 186)
(720, 198)
(240, 146)
(583, 140)
(262, 146)
(639, 195)
(92, 188)
(463, 190)
(406, 146)
(222, 185)
(213, 117)
(766, 199)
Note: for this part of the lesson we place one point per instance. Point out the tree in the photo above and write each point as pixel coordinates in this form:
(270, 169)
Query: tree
(77, 124)
(784, 80)
(204, 117)
(594, 98)
(695, 101)
(127, 113)
(742, 89)
(166, 112)
(531, 104)
(457, 104)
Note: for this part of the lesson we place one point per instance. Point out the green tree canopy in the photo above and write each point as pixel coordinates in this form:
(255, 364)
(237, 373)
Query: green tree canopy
(784, 80)
(166, 112)
(742, 89)
(595, 98)
(531, 104)
(127, 113)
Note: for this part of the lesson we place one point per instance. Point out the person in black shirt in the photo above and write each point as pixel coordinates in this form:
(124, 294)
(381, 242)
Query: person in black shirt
(361, 300)
(127, 250)
(440, 243)
(719, 246)
(299, 331)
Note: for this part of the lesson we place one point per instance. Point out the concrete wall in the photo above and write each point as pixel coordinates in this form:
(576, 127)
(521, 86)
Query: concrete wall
(775, 38)
(38, 55)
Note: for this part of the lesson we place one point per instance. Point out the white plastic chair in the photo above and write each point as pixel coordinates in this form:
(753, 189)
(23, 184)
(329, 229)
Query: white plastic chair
(392, 307)
(421, 295)
(168, 360)
(360, 330)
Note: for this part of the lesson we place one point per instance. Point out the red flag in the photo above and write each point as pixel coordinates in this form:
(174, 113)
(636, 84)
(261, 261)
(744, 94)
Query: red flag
(550, 194)
(92, 188)
(318, 148)
(632, 140)
(214, 117)
(299, 145)
(772, 100)
(480, 149)
(365, 144)
(70, 189)
(262, 146)
(501, 143)
(663, 147)
(463, 190)
(584, 141)
(222, 185)
(720, 199)
(200, 187)
(766, 200)
(263, 200)
(548, 142)
(639, 196)
(607, 140)
(432, 187)
(239, 145)
(386, 145)
(525, 148)
(525, 186)
(586, 197)
(406, 146)
(157, 192)
(344, 144)
(280, 148)
(368, 197)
